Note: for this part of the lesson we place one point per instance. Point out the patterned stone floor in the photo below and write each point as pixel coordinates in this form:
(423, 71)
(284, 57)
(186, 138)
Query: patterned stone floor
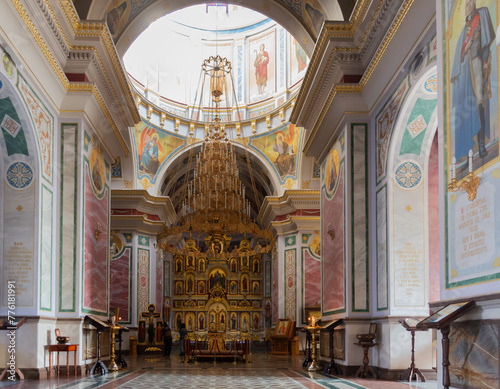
(265, 371)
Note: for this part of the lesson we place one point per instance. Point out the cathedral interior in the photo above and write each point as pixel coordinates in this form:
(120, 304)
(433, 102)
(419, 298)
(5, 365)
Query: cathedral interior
(252, 178)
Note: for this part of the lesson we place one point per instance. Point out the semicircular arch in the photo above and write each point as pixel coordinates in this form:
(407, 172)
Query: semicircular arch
(408, 193)
(174, 176)
(304, 24)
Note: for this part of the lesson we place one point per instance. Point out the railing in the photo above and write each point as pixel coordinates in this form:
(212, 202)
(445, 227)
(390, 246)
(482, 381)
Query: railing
(238, 349)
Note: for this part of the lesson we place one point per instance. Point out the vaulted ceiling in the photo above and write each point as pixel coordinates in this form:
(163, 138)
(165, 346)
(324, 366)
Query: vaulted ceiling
(303, 19)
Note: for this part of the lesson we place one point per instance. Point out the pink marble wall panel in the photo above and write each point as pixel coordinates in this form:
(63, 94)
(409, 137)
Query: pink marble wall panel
(119, 294)
(312, 279)
(95, 269)
(433, 174)
(333, 249)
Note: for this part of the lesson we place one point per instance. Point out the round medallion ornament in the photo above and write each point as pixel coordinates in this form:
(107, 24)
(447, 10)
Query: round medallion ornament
(408, 175)
(19, 175)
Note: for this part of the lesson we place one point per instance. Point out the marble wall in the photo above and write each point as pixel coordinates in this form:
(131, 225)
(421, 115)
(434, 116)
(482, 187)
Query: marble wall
(95, 263)
(382, 267)
(311, 276)
(359, 205)
(333, 264)
(120, 294)
(434, 233)
(47, 244)
(68, 226)
(474, 354)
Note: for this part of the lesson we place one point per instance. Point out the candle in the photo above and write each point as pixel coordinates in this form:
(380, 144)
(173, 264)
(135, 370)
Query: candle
(313, 321)
(471, 154)
(454, 163)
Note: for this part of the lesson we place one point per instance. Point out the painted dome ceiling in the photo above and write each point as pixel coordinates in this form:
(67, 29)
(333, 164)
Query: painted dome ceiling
(268, 63)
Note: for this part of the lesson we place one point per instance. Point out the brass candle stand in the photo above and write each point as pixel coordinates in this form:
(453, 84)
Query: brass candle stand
(314, 329)
(112, 364)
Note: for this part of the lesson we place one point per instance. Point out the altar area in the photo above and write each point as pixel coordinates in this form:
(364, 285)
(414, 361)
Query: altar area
(220, 300)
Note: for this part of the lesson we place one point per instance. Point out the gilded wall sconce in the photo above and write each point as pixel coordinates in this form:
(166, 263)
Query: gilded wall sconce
(98, 231)
(330, 231)
(469, 183)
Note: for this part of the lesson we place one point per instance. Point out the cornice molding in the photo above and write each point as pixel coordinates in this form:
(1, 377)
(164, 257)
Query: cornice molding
(59, 36)
(288, 203)
(142, 201)
(360, 44)
(138, 223)
(295, 224)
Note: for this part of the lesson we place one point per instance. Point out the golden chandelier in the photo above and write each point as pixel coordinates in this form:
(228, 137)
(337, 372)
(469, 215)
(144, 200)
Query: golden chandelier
(214, 207)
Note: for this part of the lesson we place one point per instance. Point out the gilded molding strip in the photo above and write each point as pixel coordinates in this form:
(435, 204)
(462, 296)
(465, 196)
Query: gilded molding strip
(98, 29)
(288, 194)
(366, 76)
(87, 48)
(139, 192)
(333, 30)
(340, 50)
(74, 87)
(141, 218)
(88, 87)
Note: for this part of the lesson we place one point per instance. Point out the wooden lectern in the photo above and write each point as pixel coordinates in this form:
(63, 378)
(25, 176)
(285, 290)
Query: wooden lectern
(101, 327)
(282, 337)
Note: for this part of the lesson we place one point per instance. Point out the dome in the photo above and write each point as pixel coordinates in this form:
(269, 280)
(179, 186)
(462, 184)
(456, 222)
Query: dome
(268, 63)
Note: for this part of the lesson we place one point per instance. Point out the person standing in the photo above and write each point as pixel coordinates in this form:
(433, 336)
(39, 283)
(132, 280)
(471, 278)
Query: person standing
(167, 339)
(182, 332)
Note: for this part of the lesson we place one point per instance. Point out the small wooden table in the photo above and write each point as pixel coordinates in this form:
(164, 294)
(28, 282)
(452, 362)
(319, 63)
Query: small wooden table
(61, 347)
(365, 368)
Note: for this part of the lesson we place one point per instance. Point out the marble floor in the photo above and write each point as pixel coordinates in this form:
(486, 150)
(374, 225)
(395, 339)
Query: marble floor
(265, 371)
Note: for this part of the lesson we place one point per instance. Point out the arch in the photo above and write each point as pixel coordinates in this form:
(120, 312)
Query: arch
(172, 176)
(407, 177)
(23, 194)
(304, 24)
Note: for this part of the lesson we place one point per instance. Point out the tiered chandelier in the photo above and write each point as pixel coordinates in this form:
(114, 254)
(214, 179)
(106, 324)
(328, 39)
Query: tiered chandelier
(214, 207)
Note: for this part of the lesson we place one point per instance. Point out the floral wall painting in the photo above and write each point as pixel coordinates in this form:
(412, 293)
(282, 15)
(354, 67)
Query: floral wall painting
(154, 147)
